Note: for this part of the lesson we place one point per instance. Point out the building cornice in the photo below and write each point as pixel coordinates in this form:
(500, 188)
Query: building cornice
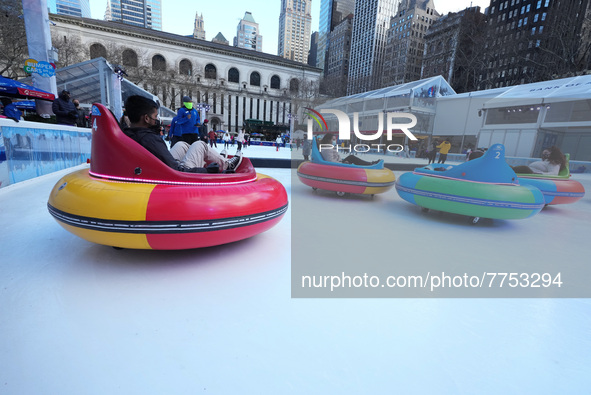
(180, 41)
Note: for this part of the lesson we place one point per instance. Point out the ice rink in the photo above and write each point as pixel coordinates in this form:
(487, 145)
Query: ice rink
(80, 318)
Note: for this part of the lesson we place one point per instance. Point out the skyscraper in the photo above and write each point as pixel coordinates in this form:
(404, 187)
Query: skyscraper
(313, 53)
(406, 41)
(108, 13)
(220, 39)
(199, 29)
(70, 7)
(332, 12)
(247, 34)
(295, 23)
(535, 40)
(145, 13)
(370, 27)
(337, 58)
(453, 47)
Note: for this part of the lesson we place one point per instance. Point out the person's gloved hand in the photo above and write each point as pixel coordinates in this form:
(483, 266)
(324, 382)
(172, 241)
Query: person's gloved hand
(213, 168)
(192, 170)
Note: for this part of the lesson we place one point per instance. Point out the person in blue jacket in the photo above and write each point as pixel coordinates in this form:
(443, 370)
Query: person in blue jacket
(187, 121)
(10, 110)
(174, 133)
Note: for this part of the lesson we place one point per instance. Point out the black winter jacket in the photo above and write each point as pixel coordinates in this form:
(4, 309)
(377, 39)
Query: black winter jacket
(151, 140)
(65, 111)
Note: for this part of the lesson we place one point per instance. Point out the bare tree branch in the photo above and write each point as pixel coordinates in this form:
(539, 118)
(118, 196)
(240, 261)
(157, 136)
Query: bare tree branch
(13, 40)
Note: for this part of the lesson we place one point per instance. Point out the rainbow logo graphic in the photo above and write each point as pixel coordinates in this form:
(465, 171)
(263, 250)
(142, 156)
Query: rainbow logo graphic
(315, 117)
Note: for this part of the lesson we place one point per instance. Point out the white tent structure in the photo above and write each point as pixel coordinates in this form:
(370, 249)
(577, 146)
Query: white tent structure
(525, 118)
(417, 97)
(95, 80)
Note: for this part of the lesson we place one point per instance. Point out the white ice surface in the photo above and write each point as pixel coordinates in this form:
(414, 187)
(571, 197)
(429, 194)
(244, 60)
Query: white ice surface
(79, 318)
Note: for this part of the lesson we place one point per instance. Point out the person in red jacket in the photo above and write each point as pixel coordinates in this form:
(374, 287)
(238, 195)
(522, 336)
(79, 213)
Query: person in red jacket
(212, 139)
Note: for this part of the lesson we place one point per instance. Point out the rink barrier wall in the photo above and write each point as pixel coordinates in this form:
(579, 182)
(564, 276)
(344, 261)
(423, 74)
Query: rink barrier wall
(32, 149)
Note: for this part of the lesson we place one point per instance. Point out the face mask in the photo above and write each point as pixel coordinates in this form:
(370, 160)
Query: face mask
(188, 105)
(157, 125)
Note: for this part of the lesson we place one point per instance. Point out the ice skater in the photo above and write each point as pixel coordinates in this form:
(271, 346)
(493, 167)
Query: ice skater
(240, 139)
(278, 141)
(443, 150)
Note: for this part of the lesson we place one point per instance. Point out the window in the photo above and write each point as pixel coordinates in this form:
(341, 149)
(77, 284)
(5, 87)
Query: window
(129, 58)
(546, 3)
(233, 75)
(539, 4)
(533, 30)
(97, 51)
(536, 17)
(158, 63)
(185, 67)
(275, 82)
(255, 79)
(544, 16)
(294, 85)
(210, 72)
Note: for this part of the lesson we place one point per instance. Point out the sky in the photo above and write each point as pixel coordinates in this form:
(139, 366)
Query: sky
(223, 16)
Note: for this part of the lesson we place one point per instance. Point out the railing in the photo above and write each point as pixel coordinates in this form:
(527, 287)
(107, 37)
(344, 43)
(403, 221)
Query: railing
(31, 149)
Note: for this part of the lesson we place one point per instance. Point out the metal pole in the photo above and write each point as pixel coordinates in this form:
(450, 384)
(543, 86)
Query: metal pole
(116, 99)
(39, 44)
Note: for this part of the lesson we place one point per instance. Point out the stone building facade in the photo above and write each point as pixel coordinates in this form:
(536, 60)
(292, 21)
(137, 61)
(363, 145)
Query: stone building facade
(406, 41)
(452, 49)
(237, 84)
(536, 40)
(295, 29)
(337, 57)
(368, 45)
